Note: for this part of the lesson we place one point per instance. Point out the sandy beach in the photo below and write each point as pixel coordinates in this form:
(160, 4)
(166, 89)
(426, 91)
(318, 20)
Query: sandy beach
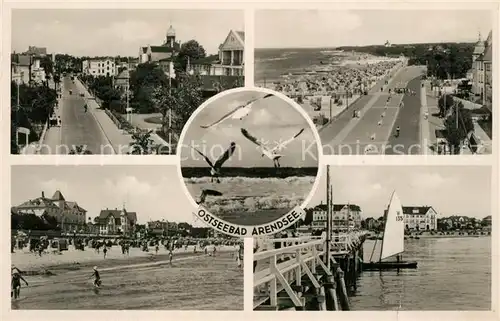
(143, 280)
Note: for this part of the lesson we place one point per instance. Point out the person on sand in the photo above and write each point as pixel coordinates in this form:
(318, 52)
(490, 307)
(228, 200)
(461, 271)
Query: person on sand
(157, 248)
(170, 256)
(96, 276)
(16, 284)
(214, 250)
(105, 250)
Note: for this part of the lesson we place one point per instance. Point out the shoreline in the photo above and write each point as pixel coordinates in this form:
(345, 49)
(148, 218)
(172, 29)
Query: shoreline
(148, 258)
(448, 236)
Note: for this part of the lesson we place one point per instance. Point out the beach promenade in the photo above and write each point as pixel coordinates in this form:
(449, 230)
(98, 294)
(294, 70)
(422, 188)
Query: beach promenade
(373, 132)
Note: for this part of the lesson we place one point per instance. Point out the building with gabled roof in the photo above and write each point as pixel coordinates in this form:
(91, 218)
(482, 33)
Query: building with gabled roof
(344, 216)
(155, 53)
(232, 54)
(116, 222)
(68, 214)
(420, 218)
(100, 66)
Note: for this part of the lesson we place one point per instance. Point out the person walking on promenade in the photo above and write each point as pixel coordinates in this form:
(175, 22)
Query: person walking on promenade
(397, 131)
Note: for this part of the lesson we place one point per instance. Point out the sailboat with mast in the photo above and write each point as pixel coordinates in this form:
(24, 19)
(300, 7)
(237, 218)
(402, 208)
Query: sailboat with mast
(392, 241)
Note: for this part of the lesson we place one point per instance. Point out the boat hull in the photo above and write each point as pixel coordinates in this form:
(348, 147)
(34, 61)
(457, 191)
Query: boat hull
(389, 265)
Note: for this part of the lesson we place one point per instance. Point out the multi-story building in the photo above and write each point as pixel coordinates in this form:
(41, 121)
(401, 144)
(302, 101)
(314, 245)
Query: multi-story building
(478, 68)
(99, 67)
(26, 68)
(488, 75)
(228, 62)
(37, 71)
(36, 51)
(344, 216)
(420, 218)
(371, 224)
(165, 51)
(68, 214)
(116, 222)
(162, 227)
(21, 68)
(231, 54)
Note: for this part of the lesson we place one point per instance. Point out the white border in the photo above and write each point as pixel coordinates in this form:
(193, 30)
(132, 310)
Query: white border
(264, 91)
(403, 160)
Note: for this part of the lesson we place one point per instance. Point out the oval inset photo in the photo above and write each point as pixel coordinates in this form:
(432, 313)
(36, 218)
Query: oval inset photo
(249, 160)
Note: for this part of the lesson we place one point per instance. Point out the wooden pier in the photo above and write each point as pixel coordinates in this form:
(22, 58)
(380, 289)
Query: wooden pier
(302, 274)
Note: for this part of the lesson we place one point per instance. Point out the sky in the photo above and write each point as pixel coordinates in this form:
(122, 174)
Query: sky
(450, 190)
(154, 192)
(102, 32)
(271, 119)
(332, 28)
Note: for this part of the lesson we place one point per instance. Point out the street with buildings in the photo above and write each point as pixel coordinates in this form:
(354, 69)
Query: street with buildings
(103, 105)
(381, 98)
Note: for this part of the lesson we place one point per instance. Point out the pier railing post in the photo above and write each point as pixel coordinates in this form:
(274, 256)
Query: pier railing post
(273, 288)
(298, 270)
(314, 260)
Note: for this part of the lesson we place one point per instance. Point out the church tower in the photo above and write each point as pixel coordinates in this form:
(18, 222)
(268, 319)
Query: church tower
(170, 39)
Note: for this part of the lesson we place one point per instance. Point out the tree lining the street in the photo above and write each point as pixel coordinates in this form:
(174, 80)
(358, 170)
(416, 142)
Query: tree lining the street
(36, 104)
(445, 102)
(458, 127)
(102, 88)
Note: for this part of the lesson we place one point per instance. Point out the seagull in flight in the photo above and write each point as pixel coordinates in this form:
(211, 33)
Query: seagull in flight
(271, 153)
(215, 168)
(205, 193)
(239, 112)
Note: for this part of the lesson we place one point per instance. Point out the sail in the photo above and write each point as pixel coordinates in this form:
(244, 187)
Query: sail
(393, 240)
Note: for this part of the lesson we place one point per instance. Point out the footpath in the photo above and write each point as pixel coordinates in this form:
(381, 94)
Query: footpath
(118, 138)
(50, 137)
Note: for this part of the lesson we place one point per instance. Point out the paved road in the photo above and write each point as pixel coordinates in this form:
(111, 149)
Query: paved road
(79, 127)
(408, 120)
(372, 133)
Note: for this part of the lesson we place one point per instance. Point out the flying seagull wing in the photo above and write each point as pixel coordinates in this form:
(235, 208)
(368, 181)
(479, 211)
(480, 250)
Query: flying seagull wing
(212, 192)
(207, 192)
(224, 157)
(255, 99)
(226, 116)
(232, 112)
(288, 141)
(205, 157)
(252, 138)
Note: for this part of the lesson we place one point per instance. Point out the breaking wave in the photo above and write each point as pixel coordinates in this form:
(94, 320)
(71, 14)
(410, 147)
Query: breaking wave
(252, 194)
(251, 180)
(222, 205)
